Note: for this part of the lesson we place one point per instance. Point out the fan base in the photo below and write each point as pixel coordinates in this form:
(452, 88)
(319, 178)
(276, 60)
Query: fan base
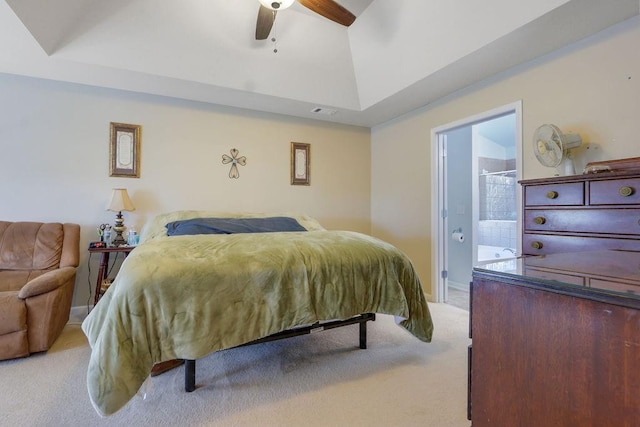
(566, 167)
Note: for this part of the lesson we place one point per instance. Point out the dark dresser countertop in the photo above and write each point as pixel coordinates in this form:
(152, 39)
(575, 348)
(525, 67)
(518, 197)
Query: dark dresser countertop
(611, 276)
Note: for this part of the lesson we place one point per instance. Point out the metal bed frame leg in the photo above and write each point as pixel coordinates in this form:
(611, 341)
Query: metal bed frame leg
(363, 335)
(189, 375)
(190, 365)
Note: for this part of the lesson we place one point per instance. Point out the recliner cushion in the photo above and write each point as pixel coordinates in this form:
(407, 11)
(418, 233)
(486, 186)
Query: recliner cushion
(30, 245)
(13, 313)
(14, 280)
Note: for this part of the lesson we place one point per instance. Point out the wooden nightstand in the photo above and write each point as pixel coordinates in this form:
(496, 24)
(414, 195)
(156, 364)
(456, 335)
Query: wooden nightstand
(103, 271)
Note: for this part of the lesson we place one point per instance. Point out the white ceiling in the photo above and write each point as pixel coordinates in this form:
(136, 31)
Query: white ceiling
(500, 130)
(398, 55)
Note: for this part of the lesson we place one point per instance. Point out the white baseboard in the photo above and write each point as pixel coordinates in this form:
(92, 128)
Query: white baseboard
(78, 314)
(458, 286)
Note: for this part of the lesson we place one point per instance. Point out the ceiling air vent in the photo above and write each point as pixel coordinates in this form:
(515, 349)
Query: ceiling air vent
(325, 111)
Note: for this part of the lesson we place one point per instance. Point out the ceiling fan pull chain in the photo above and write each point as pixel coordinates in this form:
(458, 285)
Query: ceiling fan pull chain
(275, 33)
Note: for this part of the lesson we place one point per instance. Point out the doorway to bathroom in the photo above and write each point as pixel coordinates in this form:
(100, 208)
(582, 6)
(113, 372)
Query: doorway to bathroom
(476, 164)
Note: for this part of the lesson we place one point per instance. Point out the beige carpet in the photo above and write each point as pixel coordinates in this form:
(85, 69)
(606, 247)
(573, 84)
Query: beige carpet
(321, 379)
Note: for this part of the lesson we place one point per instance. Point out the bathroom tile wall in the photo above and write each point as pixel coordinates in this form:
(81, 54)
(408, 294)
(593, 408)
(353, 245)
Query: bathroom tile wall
(498, 233)
(497, 197)
(498, 211)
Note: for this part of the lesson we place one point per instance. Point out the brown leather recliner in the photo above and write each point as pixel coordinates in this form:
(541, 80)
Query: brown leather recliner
(38, 264)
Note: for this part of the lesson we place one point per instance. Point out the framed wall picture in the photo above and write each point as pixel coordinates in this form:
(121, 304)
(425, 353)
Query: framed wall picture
(300, 163)
(124, 150)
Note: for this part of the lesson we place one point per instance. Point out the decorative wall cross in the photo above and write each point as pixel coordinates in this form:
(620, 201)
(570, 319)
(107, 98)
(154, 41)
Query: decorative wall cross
(234, 160)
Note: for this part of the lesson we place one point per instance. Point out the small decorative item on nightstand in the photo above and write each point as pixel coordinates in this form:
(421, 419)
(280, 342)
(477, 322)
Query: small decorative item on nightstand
(105, 285)
(107, 235)
(133, 238)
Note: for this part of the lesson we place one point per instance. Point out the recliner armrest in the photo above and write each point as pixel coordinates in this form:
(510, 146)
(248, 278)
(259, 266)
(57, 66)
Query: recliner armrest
(47, 282)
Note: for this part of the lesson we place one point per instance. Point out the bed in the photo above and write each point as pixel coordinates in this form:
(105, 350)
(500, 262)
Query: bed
(184, 296)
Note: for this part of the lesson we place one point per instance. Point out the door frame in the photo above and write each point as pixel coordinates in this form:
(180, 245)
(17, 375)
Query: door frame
(439, 262)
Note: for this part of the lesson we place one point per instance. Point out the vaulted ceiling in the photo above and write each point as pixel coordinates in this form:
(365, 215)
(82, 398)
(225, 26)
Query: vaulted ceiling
(398, 55)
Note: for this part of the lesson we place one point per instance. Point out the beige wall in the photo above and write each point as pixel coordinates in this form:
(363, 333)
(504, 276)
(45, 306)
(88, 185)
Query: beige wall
(54, 156)
(54, 148)
(592, 88)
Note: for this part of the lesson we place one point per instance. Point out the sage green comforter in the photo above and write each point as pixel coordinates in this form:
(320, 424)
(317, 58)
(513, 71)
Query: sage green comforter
(187, 296)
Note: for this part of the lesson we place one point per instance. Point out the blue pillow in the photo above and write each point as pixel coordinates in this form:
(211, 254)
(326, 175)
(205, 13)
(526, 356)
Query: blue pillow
(233, 225)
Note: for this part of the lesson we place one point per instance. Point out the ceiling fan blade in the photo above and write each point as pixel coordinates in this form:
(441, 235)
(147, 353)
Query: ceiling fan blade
(330, 10)
(266, 17)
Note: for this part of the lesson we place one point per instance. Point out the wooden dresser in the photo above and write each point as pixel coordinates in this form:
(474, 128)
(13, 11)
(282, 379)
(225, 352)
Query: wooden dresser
(556, 338)
(581, 212)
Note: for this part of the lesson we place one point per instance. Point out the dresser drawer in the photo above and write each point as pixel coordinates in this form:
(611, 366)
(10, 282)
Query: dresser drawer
(626, 288)
(558, 277)
(610, 221)
(566, 194)
(540, 244)
(615, 192)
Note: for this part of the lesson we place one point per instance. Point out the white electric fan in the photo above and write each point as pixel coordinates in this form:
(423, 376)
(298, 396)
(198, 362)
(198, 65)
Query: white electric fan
(551, 147)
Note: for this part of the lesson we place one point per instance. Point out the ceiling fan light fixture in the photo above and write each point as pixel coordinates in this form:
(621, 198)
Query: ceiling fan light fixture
(326, 8)
(276, 5)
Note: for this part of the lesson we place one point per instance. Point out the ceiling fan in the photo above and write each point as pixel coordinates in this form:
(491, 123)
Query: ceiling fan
(327, 8)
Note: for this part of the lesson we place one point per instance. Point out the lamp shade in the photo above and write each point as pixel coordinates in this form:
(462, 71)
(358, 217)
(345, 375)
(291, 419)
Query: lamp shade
(276, 5)
(120, 201)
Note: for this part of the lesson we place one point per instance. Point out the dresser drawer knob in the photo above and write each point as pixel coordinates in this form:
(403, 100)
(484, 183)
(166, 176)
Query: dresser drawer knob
(536, 245)
(539, 220)
(626, 191)
(552, 194)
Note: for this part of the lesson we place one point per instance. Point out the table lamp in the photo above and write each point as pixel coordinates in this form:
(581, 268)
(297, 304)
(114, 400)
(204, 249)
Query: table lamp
(119, 202)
